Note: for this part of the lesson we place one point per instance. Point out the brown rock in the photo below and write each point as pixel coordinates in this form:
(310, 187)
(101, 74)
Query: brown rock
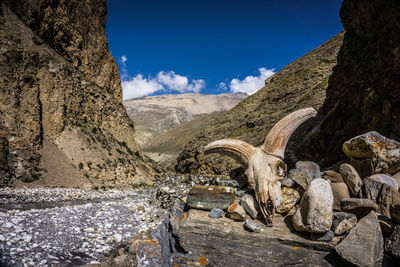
(332, 176)
(351, 178)
(395, 212)
(236, 212)
(359, 207)
(364, 167)
(339, 191)
(289, 199)
(300, 178)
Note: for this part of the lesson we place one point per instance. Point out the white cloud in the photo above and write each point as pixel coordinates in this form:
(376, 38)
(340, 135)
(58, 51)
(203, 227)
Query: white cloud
(169, 81)
(124, 59)
(251, 84)
(222, 86)
(139, 86)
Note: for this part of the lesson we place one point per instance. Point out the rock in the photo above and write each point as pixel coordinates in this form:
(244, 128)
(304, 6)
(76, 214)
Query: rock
(395, 212)
(241, 192)
(364, 167)
(314, 213)
(339, 191)
(351, 178)
(332, 176)
(249, 205)
(209, 197)
(216, 213)
(287, 183)
(396, 176)
(383, 151)
(311, 169)
(363, 246)
(386, 225)
(252, 226)
(359, 207)
(377, 189)
(326, 237)
(392, 244)
(236, 212)
(120, 260)
(342, 222)
(289, 199)
(383, 178)
(300, 178)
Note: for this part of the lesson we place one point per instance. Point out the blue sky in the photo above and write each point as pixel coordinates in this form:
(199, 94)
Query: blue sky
(212, 46)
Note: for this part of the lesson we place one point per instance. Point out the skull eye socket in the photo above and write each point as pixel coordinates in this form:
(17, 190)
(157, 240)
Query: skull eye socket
(281, 170)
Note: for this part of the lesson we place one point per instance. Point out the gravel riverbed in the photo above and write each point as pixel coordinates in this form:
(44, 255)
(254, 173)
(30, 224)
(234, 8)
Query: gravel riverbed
(80, 227)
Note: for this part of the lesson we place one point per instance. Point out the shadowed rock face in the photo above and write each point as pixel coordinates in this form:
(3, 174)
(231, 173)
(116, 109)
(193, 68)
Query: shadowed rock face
(60, 83)
(364, 89)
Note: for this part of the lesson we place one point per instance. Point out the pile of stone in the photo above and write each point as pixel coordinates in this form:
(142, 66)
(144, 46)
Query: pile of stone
(358, 202)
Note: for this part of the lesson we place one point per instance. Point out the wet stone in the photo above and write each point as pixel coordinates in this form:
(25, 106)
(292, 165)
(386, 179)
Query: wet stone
(249, 205)
(326, 237)
(210, 197)
(342, 222)
(252, 226)
(359, 207)
(216, 213)
(311, 169)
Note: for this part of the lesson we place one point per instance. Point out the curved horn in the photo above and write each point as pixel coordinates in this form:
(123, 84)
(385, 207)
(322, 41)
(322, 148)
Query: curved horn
(278, 136)
(239, 150)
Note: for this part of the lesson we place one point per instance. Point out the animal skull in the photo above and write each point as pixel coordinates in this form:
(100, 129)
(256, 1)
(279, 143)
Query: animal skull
(264, 164)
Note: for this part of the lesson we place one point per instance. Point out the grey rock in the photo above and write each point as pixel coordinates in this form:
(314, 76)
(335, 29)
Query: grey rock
(359, 207)
(383, 178)
(209, 197)
(332, 176)
(377, 189)
(314, 213)
(288, 183)
(216, 213)
(299, 178)
(241, 192)
(249, 205)
(326, 237)
(252, 226)
(342, 222)
(351, 178)
(384, 152)
(396, 176)
(392, 244)
(236, 212)
(363, 246)
(339, 191)
(310, 168)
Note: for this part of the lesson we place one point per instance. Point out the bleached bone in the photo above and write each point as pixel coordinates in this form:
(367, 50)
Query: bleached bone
(264, 165)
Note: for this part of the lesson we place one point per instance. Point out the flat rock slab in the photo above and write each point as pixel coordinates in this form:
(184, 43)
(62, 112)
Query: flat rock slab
(358, 206)
(226, 243)
(363, 246)
(210, 197)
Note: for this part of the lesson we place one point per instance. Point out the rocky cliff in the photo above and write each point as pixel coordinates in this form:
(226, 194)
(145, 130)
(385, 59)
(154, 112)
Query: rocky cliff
(364, 89)
(62, 121)
(300, 84)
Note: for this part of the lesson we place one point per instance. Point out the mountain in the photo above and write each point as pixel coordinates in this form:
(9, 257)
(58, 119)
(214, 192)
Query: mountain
(364, 89)
(301, 84)
(62, 122)
(154, 115)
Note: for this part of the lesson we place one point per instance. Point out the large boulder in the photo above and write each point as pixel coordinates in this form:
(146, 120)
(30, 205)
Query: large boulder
(314, 213)
(384, 152)
(363, 246)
